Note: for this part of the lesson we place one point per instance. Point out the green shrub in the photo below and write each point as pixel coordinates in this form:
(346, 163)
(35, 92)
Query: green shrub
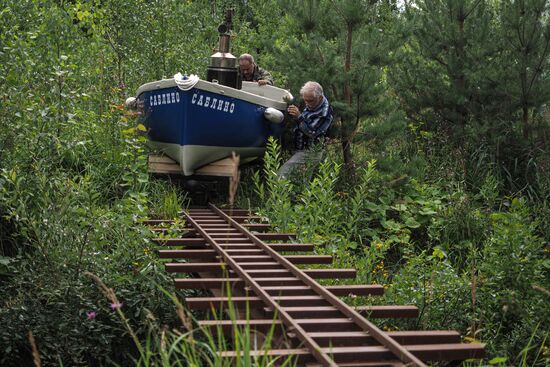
(429, 281)
(511, 270)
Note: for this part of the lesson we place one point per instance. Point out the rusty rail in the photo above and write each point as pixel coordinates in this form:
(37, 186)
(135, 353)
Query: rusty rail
(221, 247)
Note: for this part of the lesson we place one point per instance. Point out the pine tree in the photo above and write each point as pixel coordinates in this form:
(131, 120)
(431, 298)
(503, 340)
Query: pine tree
(474, 73)
(338, 44)
(439, 74)
(525, 37)
(474, 62)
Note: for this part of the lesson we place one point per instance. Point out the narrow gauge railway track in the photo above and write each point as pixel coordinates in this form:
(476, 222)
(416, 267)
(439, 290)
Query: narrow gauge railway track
(223, 248)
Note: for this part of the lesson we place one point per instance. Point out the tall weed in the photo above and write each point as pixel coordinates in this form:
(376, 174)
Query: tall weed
(275, 192)
(317, 211)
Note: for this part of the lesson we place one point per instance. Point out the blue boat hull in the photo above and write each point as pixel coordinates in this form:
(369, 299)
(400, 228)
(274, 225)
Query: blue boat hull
(201, 125)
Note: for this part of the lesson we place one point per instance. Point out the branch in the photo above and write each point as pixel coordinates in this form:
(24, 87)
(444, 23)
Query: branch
(320, 53)
(471, 10)
(338, 10)
(108, 36)
(537, 70)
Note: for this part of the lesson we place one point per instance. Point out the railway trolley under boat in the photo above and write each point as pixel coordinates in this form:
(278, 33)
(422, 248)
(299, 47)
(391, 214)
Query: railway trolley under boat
(197, 122)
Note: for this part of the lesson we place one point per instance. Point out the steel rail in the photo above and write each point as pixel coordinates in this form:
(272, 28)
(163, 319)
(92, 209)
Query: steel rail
(315, 349)
(397, 349)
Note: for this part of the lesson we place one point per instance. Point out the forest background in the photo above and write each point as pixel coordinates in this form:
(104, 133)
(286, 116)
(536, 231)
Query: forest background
(437, 183)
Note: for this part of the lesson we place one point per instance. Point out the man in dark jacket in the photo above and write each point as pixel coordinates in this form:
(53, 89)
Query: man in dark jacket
(313, 123)
(250, 72)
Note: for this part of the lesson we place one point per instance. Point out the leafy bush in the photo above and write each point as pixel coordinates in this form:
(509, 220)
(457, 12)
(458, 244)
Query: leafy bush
(429, 281)
(512, 271)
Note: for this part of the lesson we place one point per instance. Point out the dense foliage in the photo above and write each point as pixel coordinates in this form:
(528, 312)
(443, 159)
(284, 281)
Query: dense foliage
(437, 184)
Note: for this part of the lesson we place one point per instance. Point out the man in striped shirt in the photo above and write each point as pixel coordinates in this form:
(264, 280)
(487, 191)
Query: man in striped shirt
(313, 123)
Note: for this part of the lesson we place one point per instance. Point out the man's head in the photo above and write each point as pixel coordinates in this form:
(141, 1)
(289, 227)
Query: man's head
(312, 93)
(246, 64)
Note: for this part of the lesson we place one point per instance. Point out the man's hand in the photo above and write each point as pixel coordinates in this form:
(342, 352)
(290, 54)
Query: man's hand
(293, 110)
(262, 82)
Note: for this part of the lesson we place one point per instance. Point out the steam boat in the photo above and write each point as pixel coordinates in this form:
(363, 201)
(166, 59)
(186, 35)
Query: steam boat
(197, 122)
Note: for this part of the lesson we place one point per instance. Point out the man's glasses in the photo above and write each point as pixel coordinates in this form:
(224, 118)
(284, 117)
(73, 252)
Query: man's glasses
(249, 68)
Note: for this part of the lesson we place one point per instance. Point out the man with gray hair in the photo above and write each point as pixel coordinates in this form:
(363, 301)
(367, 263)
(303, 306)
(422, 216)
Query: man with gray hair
(251, 72)
(313, 123)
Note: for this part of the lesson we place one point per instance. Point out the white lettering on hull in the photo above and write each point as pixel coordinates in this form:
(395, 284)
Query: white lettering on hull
(164, 98)
(213, 103)
(198, 99)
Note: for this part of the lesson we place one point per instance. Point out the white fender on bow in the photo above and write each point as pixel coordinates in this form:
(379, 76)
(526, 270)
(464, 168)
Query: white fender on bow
(273, 115)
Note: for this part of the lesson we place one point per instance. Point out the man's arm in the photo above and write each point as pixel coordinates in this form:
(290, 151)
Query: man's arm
(265, 75)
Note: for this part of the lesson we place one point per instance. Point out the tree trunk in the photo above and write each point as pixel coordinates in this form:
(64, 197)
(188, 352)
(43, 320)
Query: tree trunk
(346, 152)
(525, 119)
(460, 80)
(346, 133)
